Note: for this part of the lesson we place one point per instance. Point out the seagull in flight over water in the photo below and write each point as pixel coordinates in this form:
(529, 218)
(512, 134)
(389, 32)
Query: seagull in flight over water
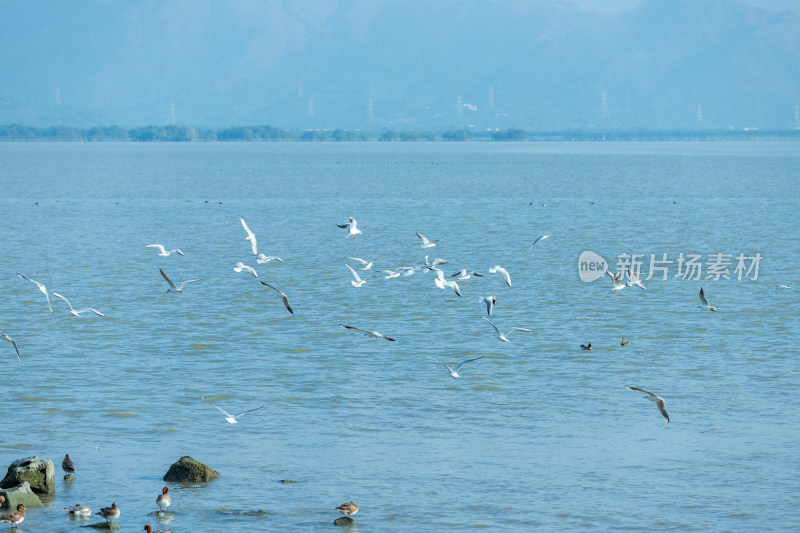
(250, 237)
(163, 251)
(9, 339)
(633, 279)
(503, 272)
(425, 242)
(283, 296)
(616, 280)
(503, 336)
(490, 302)
(41, 288)
(172, 286)
(454, 373)
(537, 240)
(653, 398)
(358, 281)
(72, 310)
(352, 229)
(232, 419)
(368, 333)
(241, 267)
(705, 302)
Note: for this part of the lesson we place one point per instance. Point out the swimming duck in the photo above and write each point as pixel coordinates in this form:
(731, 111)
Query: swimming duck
(585, 347)
(624, 342)
(79, 510)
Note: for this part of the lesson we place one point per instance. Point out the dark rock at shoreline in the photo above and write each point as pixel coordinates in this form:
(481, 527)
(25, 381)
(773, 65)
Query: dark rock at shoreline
(39, 474)
(344, 521)
(103, 525)
(188, 470)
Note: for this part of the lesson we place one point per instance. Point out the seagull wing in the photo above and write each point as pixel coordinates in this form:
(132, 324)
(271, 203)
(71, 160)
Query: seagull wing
(95, 311)
(355, 274)
(422, 237)
(662, 409)
(389, 338)
(63, 298)
(642, 390)
(250, 411)
(520, 329)
(495, 327)
(185, 283)
(343, 226)
(283, 296)
(169, 280)
(703, 298)
(9, 339)
(159, 246)
(226, 413)
(439, 363)
(362, 261)
(462, 363)
(356, 329)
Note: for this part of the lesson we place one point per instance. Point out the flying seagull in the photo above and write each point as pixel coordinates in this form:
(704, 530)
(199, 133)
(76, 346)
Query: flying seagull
(616, 280)
(454, 373)
(352, 229)
(633, 279)
(358, 281)
(425, 242)
(41, 288)
(283, 296)
(232, 419)
(653, 398)
(442, 283)
(537, 240)
(78, 312)
(463, 275)
(367, 264)
(9, 339)
(503, 272)
(250, 237)
(241, 267)
(705, 302)
(490, 302)
(368, 333)
(163, 252)
(261, 259)
(503, 336)
(172, 286)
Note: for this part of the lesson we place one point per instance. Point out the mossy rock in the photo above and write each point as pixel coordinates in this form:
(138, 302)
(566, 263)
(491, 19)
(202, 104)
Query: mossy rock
(39, 474)
(104, 525)
(344, 521)
(188, 470)
(21, 494)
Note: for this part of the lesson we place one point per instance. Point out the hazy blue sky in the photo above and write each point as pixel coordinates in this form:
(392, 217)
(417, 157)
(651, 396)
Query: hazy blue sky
(615, 6)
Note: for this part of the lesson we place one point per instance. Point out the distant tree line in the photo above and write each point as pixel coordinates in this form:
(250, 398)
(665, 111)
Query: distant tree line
(17, 132)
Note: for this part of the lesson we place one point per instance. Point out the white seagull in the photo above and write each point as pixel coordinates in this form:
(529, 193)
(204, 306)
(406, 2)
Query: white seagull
(367, 264)
(250, 237)
(705, 302)
(616, 280)
(435, 263)
(72, 310)
(454, 373)
(283, 296)
(261, 259)
(368, 333)
(782, 287)
(490, 302)
(391, 274)
(352, 230)
(463, 275)
(425, 242)
(503, 336)
(653, 398)
(503, 272)
(163, 252)
(537, 240)
(41, 288)
(172, 286)
(241, 267)
(633, 279)
(442, 283)
(9, 339)
(358, 281)
(232, 419)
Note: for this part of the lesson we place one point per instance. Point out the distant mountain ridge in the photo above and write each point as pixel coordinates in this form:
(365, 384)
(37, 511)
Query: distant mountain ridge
(404, 64)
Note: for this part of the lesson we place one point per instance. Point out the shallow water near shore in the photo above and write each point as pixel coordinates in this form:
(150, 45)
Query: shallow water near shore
(537, 434)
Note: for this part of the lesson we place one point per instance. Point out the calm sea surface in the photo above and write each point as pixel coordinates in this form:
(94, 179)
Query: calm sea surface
(537, 435)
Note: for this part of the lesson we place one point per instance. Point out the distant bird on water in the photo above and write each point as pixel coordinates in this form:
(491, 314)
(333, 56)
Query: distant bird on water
(79, 510)
(586, 347)
(41, 288)
(67, 465)
(659, 401)
(624, 342)
(348, 508)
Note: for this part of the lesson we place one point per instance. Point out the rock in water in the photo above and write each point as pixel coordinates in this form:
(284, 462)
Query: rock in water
(188, 470)
(344, 521)
(104, 525)
(39, 474)
(21, 494)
